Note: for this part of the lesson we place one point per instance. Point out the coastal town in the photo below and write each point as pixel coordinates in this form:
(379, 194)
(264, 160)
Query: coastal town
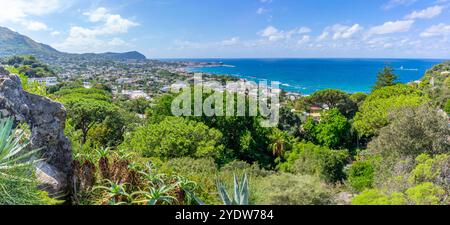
(148, 79)
(134, 79)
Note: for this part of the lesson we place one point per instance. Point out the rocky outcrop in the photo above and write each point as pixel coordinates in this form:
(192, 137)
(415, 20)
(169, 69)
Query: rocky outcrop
(46, 120)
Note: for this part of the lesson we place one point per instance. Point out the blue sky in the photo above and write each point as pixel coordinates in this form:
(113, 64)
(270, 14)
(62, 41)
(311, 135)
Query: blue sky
(238, 28)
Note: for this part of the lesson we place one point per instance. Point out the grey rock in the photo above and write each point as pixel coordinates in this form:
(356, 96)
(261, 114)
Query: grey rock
(46, 119)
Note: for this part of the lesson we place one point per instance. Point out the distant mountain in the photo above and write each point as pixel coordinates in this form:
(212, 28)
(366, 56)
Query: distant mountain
(118, 56)
(13, 43)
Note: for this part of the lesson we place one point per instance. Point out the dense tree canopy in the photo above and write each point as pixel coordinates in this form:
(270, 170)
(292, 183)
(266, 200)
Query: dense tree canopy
(334, 99)
(85, 113)
(289, 121)
(30, 66)
(373, 114)
(304, 160)
(436, 84)
(245, 138)
(358, 98)
(425, 182)
(307, 158)
(89, 108)
(385, 78)
(332, 131)
(413, 130)
(175, 137)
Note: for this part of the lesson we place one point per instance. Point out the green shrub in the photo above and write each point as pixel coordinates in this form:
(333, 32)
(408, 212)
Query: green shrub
(332, 131)
(431, 169)
(378, 197)
(420, 182)
(374, 112)
(361, 175)
(174, 138)
(289, 189)
(447, 107)
(426, 194)
(307, 158)
(205, 173)
(412, 131)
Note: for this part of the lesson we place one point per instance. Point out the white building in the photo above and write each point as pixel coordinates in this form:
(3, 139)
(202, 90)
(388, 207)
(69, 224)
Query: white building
(136, 94)
(87, 85)
(48, 81)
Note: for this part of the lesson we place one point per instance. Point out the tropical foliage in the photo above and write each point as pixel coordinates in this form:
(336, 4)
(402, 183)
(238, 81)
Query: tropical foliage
(18, 185)
(390, 146)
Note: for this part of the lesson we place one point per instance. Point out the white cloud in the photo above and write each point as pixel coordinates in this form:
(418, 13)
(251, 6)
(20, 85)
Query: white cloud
(113, 23)
(392, 27)
(231, 41)
(323, 36)
(21, 11)
(18, 10)
(339, 31)
(441, 29)
(305, 39)
(34, 25)
(427, 13)
(83, 39)
(343, 32)
(117, 42)
(394, 3)
(97, 15)
(55, 33)
(261, 11)
(273, 34)
(303, 30)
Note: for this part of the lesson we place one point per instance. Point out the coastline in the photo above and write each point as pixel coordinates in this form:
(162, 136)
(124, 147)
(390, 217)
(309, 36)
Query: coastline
(307, 76)
(293, 93)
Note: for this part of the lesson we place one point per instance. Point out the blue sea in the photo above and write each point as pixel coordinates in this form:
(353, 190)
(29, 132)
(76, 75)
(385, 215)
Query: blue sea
(307, 76)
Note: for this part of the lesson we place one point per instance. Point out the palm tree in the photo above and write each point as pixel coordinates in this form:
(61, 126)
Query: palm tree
(280, 142)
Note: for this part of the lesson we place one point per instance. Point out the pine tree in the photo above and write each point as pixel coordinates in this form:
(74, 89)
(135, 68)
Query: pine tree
(385, 78)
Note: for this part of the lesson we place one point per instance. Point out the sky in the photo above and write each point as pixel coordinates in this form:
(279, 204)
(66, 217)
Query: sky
(238, 28)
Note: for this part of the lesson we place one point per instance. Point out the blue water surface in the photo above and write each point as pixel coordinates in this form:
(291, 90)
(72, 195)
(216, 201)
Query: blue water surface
(307, 76)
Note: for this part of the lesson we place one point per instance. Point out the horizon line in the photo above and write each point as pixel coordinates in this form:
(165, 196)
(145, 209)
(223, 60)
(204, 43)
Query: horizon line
(200, 58)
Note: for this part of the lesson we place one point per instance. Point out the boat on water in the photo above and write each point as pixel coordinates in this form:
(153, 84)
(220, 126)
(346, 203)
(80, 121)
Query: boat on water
(406, 69)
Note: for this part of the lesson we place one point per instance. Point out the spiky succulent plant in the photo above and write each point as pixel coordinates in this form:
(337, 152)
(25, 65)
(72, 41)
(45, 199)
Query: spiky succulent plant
(18, 185)
(241, 192)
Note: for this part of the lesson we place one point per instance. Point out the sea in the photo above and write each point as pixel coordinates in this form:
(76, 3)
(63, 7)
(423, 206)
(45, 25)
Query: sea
(306, 76)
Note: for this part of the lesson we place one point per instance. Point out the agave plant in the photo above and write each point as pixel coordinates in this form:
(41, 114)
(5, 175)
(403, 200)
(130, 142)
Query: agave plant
(186, 190)
(124, 154)
(103, 152)
(17, 183)
(155, 196)
(150, 176)
(241, 192)
(12, 154)
(103, 162)
(117, 194)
